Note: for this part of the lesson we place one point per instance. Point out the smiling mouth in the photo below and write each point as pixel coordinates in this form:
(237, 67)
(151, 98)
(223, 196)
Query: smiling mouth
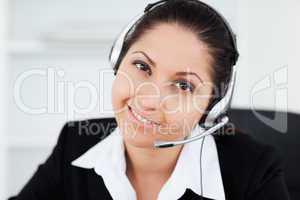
(141, 118)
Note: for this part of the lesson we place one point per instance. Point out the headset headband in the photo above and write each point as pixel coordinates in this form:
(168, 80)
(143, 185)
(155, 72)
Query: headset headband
(220, 107)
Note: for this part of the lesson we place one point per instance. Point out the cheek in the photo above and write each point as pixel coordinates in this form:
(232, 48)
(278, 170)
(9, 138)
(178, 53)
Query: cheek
(201, 99)
(184, 120)
(122, 90)
(188, 113)
(181, 105)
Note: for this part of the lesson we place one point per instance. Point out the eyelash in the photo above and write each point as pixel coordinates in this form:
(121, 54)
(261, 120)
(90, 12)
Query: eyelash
(146, 67)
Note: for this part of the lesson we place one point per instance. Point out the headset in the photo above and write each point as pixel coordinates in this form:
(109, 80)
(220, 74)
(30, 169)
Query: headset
(216, 117)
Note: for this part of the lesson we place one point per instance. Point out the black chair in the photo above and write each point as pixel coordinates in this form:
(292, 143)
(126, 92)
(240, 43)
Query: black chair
(287, 143)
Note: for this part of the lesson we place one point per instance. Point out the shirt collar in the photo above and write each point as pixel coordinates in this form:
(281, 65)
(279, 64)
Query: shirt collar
(107, 158)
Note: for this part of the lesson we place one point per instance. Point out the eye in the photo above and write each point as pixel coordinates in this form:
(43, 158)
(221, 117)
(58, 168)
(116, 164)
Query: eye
(143, 66)
(185, 85)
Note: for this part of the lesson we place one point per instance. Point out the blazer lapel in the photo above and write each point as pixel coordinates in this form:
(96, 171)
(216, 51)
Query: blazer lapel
(96, 187)
(189, 194)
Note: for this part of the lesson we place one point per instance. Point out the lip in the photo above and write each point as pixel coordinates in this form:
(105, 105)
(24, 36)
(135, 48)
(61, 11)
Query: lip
(133, 118)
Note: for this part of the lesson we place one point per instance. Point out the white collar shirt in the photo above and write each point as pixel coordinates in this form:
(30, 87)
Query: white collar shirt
(107, 158)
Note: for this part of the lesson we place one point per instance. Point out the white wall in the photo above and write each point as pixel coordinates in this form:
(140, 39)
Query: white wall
(266, 73)
(3, 99)
(293, 44)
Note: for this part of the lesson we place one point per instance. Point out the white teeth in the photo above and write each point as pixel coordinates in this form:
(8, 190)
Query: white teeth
(142, 119)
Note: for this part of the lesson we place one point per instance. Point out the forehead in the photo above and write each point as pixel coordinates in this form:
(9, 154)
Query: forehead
(171, 45)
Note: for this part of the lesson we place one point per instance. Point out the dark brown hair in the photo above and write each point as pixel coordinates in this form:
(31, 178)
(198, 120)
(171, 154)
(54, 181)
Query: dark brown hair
(201, 20)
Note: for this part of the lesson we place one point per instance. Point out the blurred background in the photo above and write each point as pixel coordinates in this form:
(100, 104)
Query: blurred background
(54, 68)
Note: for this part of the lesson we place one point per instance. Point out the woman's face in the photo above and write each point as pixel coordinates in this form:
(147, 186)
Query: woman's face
(164, 79)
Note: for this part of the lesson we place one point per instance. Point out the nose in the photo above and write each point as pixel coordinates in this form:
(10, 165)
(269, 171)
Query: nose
(148, 96)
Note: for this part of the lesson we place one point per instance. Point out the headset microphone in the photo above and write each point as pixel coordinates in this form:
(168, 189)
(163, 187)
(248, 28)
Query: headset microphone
(164, 144)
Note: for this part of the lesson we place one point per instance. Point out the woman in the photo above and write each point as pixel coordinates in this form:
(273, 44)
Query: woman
(174, 68)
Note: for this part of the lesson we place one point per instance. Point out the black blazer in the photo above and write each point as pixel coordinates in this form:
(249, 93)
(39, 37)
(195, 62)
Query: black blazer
(250, 170)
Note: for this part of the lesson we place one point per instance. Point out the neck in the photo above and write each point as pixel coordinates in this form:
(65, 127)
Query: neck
(151, 161)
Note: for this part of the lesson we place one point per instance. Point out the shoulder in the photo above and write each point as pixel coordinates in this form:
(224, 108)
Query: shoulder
(243, 147)
(248, 165)
(76, 137)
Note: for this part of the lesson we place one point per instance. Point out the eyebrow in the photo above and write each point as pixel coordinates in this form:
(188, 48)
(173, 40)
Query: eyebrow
(177, 73)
